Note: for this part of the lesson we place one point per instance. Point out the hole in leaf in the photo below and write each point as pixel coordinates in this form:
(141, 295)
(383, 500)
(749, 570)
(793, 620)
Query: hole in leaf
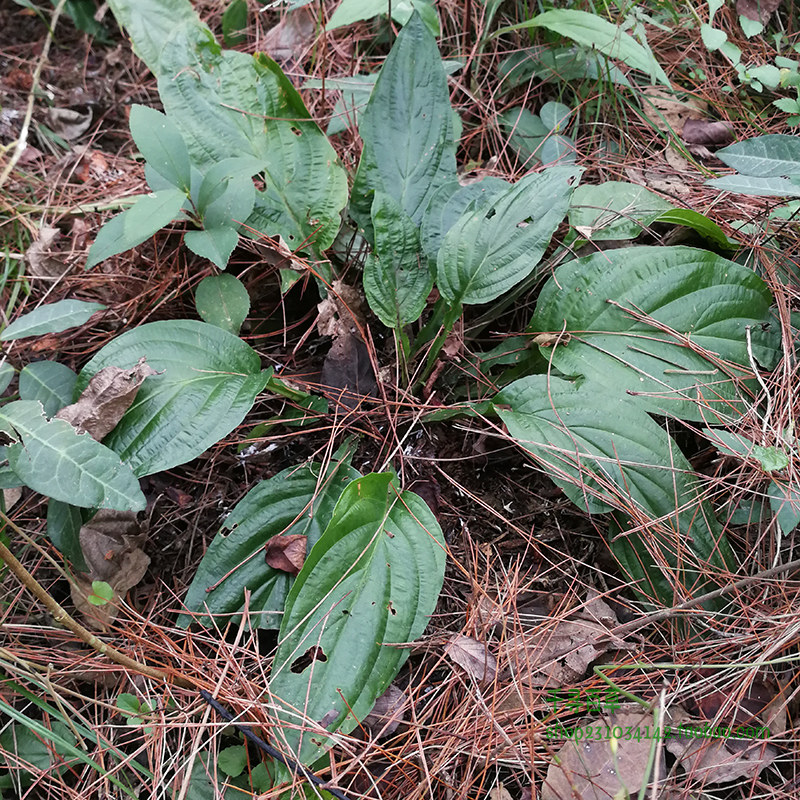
(490, 213)
(392, 610)
(297, 131)
(307, 659)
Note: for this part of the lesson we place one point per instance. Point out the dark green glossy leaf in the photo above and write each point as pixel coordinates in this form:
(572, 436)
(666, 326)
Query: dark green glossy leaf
(64, 523)
(208, 380)
(691, 361)
(295, 501)
(372, 580)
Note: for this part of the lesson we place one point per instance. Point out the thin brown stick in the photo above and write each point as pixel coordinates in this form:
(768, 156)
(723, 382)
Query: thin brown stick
(62, 616)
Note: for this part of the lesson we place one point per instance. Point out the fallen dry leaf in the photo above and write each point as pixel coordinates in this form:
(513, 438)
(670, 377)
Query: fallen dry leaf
(112, 547)
(107, 397)
(668, 114)
(286, 553)
(69, 123)
(705, 131)
(757, 10)
(557, 652)
(44, 261)
(388, 712)
(499, 793)
(588, 768)
(288, 41)
(348, 371)
(341, 312)
(472, 656)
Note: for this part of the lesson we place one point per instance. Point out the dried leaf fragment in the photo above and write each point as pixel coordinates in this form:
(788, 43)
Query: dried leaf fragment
(388, 712)
(286, 553)
(757, 10)
(70, 123)
(107, 397)
(472, 656)
(43, 259)
(704, 131)
(589, 768)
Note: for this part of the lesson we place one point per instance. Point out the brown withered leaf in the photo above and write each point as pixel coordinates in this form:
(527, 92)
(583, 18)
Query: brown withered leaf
(706, 131)
(472, 656)
(286, 553)
(757, 10)
(721, 758)
(43, 258)
(347, 371)
(70, 123)
(590, 770)
(667, 113)
(341, 312)
(107, 397)
(112, 547)
(558, 652)
(388, 712)
(287, 42)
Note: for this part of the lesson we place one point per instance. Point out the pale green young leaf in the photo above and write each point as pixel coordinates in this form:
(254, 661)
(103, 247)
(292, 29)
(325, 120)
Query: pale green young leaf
(51, 318)
(161, 144)
(151, 213)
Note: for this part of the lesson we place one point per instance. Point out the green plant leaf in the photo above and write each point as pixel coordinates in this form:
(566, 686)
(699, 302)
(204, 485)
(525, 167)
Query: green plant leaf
(150, 24)
(232, 760)
(596, 33)
(558, 150)
(784, 500)
(555, 116)
(55, 460)
(758, 187)
(208, 381)
(101, 595)
(64, 523)
(223, 301)
(21, 742)
(614, 210)
(397, 280)
(217, 183)
(128, 703)
(161, 144)
(688, 296)
(151, 213)
(698, 222)
(770, 458)
(49, 382)
(295, 502)
(227, 102)
(448, 205)
(769, 156)
(605, 452)
(52, 318)
(350, 11)
(371, 581)
(215, 244)
(493, 248)
(407, 129)
(526, 132)
(7, 373)
(713, 38)
(234, 23)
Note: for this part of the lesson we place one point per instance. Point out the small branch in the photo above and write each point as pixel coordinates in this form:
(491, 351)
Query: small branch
(61, 616)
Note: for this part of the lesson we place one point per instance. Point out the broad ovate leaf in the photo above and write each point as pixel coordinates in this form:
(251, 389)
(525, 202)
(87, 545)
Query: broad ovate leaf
(52, 458)
(297, 501)
(491, 249)
(226, 102)
(664, 325)
(771, 156)
(397, 280)
(51, 318)
(607, 453)
(208, 380)
(407, 129)
(370, 582)
(215, 244)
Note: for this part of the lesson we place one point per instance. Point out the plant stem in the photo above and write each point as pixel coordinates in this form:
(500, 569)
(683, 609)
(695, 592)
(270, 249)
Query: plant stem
(61, 616)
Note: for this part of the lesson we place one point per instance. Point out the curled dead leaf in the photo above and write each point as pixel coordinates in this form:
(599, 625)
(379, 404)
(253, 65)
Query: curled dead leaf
(472, 656)
(348, 371)
(388, 712)
(286, 553)
(705, 131)
(70, 123)
(42, 257)
(107, 397)
(112, 547)
(667, 113)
